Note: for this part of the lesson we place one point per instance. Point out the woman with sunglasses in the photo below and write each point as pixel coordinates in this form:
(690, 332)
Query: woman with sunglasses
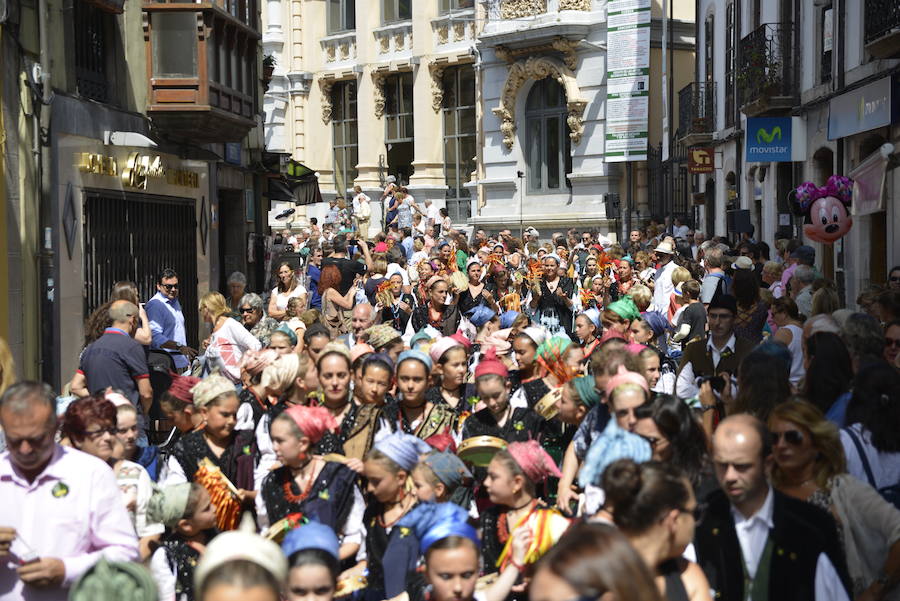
(654, 506)
(810, 466)
(90, 425)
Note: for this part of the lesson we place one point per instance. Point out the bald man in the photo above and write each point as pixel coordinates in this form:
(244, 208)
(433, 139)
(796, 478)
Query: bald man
(362, 318)
(118, 361)
(757, 544)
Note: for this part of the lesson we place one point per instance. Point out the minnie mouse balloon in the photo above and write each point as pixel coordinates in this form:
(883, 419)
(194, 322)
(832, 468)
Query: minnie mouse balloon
(826, 210)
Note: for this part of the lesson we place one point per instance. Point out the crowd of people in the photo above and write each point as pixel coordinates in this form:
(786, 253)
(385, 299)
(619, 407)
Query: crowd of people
(427, 415)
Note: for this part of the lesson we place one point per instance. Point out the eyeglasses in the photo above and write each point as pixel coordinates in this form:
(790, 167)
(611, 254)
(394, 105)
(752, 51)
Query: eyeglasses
(791, 437)
(696, 512)
(170, 286)
(94, 434)
(894, 342)
(246, 309)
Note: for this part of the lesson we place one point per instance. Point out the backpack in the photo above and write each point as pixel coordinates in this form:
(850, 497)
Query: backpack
(890, 493)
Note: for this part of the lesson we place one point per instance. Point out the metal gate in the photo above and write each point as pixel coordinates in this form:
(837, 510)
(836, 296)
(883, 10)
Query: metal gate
(133, 237)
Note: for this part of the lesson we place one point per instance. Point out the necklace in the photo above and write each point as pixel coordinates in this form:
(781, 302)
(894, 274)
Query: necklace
(503, 527)
(383, 523)
(287, 486)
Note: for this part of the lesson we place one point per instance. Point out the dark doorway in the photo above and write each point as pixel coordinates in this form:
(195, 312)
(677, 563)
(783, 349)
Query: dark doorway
(134, 236)
(710, 202)
(400, 158)
(232, 235)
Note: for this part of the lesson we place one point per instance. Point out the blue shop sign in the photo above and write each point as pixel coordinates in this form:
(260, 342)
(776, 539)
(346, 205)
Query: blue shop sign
(873, 105)
(768, 139)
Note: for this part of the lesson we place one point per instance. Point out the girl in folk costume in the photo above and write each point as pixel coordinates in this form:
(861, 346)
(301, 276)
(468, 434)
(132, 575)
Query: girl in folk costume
(588, 329)
(451, 553)
(309, 485)
(525, 345)
(499, 418)
(476, 292)
(513, 476)
(442, 477)
(356, 423)
(189, 516)
(391, 550)
(451, 366)
(217, 456)
(412, 412)
(312, 552)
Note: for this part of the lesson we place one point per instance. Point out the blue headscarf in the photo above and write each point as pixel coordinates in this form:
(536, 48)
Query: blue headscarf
(480, 315)
(507, 318)
(311, 536)
(403, 449)
(432, 522)
(615, 443)
(657, 322)
(287, 331)
(417, 355)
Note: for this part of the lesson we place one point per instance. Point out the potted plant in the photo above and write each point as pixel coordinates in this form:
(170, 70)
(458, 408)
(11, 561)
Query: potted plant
(268, 64)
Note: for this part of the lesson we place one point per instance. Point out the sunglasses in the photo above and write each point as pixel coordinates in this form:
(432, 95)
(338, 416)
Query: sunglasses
(791, 437)
(246, 309)
(92, 434)
(170, 286)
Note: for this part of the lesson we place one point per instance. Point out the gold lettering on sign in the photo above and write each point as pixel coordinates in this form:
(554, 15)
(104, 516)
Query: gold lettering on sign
(183, 177)
(140, 167)
(98, 164)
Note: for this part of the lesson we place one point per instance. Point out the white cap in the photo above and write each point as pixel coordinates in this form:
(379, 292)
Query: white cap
(742, 263)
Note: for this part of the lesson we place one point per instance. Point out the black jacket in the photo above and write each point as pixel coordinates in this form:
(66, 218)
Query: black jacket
(801, 532)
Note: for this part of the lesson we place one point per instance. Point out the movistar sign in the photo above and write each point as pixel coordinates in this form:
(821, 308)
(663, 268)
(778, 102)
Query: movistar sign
(768, 139)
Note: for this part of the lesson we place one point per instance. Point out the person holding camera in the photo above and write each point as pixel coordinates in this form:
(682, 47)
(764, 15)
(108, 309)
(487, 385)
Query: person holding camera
(710, 365)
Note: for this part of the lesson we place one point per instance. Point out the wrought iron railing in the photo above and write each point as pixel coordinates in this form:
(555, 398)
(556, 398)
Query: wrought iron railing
(882, 17)
(697, 108)
(766, 65)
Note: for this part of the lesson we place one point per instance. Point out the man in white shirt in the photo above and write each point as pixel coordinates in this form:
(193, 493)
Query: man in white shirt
(755, 543)
(662, 282)
(679, 230)
(432, 217)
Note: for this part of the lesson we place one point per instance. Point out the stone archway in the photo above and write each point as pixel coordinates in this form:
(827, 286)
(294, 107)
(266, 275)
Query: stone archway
(536, 67)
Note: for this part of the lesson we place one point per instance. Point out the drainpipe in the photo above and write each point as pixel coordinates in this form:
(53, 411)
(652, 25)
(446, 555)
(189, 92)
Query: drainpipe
(46, 230)
(479, 114)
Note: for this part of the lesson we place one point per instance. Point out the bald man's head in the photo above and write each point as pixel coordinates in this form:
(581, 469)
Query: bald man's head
(362, 319)
(742, 457)
(122, 313)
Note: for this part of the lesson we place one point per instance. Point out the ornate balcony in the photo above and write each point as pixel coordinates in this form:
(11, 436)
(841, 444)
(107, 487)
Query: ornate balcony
(883, 28)
(515, 9)
(697, 113)
(339, 50)
(454, 32)
(202, 68)
(767, 74)
(394, 41)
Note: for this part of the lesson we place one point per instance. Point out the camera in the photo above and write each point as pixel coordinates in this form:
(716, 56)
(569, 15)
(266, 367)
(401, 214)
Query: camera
(717, 382)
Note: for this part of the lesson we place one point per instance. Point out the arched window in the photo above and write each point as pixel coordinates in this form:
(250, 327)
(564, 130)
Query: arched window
(547, 146)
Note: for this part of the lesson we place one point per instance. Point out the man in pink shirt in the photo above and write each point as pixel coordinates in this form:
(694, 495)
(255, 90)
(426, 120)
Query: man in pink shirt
(62, 509)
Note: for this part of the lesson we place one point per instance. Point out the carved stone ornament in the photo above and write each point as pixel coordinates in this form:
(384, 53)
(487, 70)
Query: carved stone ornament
(378, 80)
(325, 86)
(584, 5)
(514, 9)
(437, 85)
(562, 45)
(538, 68)
(443, 34)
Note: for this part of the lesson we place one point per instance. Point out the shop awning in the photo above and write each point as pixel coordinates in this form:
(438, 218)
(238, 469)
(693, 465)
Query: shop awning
(298, 183)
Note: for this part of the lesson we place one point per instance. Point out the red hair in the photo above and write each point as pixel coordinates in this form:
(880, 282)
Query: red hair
(84, 412)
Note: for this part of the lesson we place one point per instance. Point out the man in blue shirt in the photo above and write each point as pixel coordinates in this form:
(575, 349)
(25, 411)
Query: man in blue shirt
(407, 243)
(167, 321)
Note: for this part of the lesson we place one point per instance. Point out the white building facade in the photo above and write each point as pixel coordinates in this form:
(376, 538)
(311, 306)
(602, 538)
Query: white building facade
(492, 109)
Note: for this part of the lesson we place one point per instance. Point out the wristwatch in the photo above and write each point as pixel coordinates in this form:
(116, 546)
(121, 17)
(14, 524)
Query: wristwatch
(705, 408)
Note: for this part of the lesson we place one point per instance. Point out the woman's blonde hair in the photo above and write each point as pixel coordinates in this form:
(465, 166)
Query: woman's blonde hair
(215, 303)
(7, 367)
(824, 435)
